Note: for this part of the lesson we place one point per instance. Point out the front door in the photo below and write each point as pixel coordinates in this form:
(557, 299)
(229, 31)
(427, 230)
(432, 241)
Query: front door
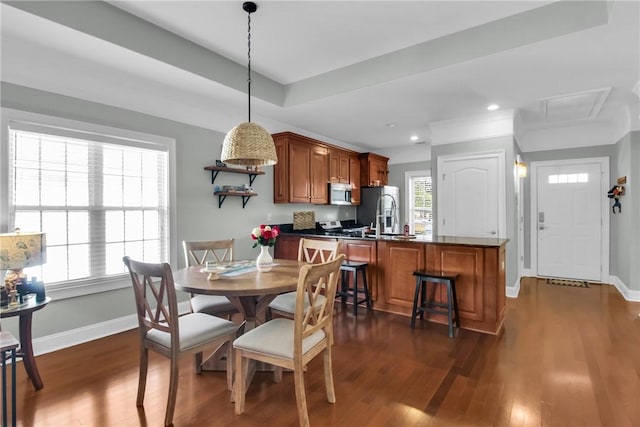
(569, 219)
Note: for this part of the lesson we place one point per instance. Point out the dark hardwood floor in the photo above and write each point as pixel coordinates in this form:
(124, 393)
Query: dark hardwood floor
(567, 357)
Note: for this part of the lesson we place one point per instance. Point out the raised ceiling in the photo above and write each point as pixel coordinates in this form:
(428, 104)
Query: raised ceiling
(341, 70)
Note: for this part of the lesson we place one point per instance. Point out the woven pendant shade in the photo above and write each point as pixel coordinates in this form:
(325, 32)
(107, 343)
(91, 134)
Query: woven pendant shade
(249, 144)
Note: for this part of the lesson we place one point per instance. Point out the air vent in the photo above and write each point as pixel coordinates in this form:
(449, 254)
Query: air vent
(574, 106)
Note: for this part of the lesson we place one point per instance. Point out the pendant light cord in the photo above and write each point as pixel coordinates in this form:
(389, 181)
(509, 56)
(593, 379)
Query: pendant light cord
(249, 62)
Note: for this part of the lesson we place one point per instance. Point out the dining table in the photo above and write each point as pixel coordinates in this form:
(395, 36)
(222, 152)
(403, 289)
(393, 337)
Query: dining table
(249, 290)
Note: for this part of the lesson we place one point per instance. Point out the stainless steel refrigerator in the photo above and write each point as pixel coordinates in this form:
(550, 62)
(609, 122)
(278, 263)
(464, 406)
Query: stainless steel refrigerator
(385, 199)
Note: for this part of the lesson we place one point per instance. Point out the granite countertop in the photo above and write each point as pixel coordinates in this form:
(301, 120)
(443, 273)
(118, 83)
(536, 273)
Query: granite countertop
(439, 240)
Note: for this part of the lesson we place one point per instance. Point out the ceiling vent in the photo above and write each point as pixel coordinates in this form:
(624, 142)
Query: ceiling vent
(574, 106)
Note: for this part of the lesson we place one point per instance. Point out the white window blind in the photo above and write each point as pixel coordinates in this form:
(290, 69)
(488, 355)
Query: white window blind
(96, 197)
(420, 206)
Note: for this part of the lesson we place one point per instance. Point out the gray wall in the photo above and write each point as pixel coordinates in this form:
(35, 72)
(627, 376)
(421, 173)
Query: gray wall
(396, 178)
(625, 226)
(198, 216)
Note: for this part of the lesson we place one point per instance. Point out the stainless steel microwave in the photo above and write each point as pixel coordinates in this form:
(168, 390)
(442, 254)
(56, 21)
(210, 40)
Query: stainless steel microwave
(339, 194)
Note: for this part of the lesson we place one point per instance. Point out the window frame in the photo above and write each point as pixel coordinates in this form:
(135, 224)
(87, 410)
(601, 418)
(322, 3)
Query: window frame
(96, 132)
(408, 210)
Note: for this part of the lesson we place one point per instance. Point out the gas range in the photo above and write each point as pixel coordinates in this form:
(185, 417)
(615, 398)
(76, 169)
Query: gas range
(335, 228)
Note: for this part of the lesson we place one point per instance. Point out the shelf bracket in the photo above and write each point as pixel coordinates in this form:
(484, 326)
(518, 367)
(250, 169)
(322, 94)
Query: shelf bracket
(252, 177)
(214, 175)
(221, 200)
(245, 199)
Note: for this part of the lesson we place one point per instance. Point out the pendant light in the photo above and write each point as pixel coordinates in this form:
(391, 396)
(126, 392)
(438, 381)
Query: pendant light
(249, 144)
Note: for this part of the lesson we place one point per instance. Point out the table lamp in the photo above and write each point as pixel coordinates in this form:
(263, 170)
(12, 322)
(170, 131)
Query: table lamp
(20, 250)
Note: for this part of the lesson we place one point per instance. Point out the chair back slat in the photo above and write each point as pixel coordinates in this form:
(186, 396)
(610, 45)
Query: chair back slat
(196, 253)
(155, 295)
(318, 251)
(315, 280)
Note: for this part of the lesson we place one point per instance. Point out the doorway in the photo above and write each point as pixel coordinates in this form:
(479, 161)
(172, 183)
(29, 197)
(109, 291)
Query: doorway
(471, 195)
(569, 219)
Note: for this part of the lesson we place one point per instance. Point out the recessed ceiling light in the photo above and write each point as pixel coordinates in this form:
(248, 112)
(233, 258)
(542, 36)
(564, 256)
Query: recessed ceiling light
(390, 125)
(493, 107)
(414, 138)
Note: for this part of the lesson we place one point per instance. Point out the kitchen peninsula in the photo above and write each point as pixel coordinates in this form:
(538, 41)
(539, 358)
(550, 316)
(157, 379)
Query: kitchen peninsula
(479, 262)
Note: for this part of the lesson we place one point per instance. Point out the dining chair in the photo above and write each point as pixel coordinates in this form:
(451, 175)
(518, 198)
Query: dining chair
(311, 251)
(197, 253)
(293, 343)
(162, 330)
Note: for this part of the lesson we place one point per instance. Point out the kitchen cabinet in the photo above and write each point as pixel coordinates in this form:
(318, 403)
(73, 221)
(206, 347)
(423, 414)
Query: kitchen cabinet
(281, 171)
(286, 247)
(338, 166)
(373, 170)
(363, 251)
(396, 263)
(480, 286)
(303, 176)
(354, 178)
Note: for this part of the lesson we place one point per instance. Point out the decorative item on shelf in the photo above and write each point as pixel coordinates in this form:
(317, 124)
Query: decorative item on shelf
(249, 144)
(18, 251)
(265, 236)
(220, 164)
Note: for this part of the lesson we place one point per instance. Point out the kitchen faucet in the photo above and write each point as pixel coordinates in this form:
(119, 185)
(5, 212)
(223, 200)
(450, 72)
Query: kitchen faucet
(379, 215)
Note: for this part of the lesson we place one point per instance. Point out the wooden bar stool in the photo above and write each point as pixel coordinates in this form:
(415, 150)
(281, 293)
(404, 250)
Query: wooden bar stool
(8, 346)
(345, 291)
(450, 308)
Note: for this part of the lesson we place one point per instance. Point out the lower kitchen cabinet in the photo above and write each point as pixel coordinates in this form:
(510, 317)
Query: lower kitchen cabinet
(364, 251)
(480, 267)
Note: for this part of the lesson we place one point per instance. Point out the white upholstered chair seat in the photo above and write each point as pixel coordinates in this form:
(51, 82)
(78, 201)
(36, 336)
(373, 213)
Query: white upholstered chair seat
(195, 328)
(211, 304)
(276, 338)
(287, 302)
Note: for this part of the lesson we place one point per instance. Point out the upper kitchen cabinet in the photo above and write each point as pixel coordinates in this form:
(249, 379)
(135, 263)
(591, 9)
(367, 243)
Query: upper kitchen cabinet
(303, 175)
(373, 170)
(338, 166)
(354, 178)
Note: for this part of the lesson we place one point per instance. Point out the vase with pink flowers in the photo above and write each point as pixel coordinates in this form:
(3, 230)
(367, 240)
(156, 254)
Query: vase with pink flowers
(265, 237)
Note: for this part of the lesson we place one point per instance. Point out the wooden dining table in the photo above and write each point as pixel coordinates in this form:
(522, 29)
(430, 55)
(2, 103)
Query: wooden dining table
(250, 292)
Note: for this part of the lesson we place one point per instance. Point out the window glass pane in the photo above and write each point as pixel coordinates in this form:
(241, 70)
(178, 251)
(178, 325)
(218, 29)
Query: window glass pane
(28, 221)
(151, 224)
(583, 177)
(133, 225)
(152, 251)
(149, 193)
(421, 203)
(553, 179)
(78, 261)
(113, 258)
(79, 227)
(55, 269)
(55, 225)
(113, 190)
(53, 192)
(77, 189)
(132, 191)
(27, 187)
(114, 226)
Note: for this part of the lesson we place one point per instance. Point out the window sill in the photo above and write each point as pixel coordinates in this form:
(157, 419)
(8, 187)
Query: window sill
(73, 289)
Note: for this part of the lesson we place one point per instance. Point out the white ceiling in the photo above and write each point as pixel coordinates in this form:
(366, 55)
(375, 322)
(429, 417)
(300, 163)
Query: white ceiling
(341, 70)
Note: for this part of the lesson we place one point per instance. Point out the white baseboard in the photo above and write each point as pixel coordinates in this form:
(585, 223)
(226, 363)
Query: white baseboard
(514, 290)
(627, 294)
(54, 342)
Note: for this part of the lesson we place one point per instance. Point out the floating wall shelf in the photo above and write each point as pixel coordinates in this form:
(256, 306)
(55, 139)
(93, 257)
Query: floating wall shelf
(222, 195)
